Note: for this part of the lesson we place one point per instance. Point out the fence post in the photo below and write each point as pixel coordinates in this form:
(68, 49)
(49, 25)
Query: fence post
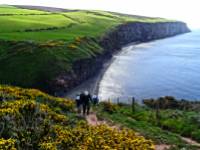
(157, 113)
(133, 104)
(118, 101)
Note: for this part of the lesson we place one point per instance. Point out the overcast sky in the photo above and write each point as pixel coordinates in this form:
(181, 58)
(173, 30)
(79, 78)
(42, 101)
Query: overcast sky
(184, 10)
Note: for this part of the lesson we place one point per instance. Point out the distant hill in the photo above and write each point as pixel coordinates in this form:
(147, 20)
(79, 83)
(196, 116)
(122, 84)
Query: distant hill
(43, 8)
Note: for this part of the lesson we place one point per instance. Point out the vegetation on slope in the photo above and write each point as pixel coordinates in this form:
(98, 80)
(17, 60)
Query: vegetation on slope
(36, 46)
(164, 125)
(30, 119)
(34, 65)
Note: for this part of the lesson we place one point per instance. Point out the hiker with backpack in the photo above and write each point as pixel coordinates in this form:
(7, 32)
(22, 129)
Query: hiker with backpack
(78, 103)
(86, 102)
(95, 99)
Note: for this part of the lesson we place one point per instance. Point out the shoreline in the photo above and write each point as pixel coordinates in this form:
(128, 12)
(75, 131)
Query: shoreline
(113, 43)
(92, 84)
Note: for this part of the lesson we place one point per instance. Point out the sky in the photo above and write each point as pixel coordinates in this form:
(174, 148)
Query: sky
(183, 10)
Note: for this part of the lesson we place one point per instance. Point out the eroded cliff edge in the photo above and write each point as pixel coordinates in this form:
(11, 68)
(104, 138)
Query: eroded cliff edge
(112, 42)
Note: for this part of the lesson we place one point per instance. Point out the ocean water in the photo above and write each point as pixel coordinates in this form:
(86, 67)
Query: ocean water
(150, 70)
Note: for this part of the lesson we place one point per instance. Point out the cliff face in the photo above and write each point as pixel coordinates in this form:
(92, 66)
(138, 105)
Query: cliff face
(112, 42)
(141, 32)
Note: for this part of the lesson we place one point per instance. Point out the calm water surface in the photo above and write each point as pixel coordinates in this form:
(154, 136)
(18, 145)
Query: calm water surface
(150, 70)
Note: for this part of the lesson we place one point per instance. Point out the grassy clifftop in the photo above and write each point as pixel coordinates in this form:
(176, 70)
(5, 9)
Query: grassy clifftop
(26, 24)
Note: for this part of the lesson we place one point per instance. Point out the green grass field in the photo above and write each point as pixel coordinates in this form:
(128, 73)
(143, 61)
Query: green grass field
(21, 23)
(43, 26)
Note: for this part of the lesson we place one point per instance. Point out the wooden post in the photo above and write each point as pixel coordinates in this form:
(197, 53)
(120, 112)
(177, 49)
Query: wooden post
(157, 113)
(133, 104)
(118, 101)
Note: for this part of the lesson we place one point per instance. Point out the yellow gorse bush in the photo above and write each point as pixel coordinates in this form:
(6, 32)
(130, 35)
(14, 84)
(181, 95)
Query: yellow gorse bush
(13, 107)
(85, 137)
(8, 93)
(52, 44)
(7, 144)
(78, 40)
(72, 46)
(30, 119)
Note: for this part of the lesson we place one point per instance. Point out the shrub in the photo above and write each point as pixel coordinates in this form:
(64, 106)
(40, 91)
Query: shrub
(196, 135)
(169, 102)
(34, 120)
(78, 40)
(9, 93)
(99, 137)
(72, 46)
(109, 107)
(187, 130)
(7, 144)
(162, 102)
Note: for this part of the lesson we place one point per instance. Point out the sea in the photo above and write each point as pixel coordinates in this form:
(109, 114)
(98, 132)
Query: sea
(166, 67)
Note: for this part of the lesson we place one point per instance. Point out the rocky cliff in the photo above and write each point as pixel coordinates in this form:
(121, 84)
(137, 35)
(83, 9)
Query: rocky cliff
(141, 32)
(112, 42)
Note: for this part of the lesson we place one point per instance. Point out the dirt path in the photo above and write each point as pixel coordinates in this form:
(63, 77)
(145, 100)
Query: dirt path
(93, 120)
(190, 141)
(187, 140)
(162, 147)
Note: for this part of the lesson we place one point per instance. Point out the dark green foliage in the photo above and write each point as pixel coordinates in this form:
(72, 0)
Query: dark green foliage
(109, 107)
(169, 102)
(196, 134)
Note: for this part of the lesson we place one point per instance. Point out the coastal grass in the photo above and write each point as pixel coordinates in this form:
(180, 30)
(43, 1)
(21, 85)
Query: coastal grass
(172, 125)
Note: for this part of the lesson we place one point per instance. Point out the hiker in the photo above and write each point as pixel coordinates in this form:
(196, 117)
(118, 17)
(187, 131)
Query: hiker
(95, 99)
(86, 99)
(78, 103)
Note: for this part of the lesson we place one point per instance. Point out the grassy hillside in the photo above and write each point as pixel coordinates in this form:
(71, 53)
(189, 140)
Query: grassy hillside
(36, 46)
(30, 119)
(11, 10)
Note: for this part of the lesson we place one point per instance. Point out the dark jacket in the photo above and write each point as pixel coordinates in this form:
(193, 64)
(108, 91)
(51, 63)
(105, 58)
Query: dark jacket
(86, 99)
